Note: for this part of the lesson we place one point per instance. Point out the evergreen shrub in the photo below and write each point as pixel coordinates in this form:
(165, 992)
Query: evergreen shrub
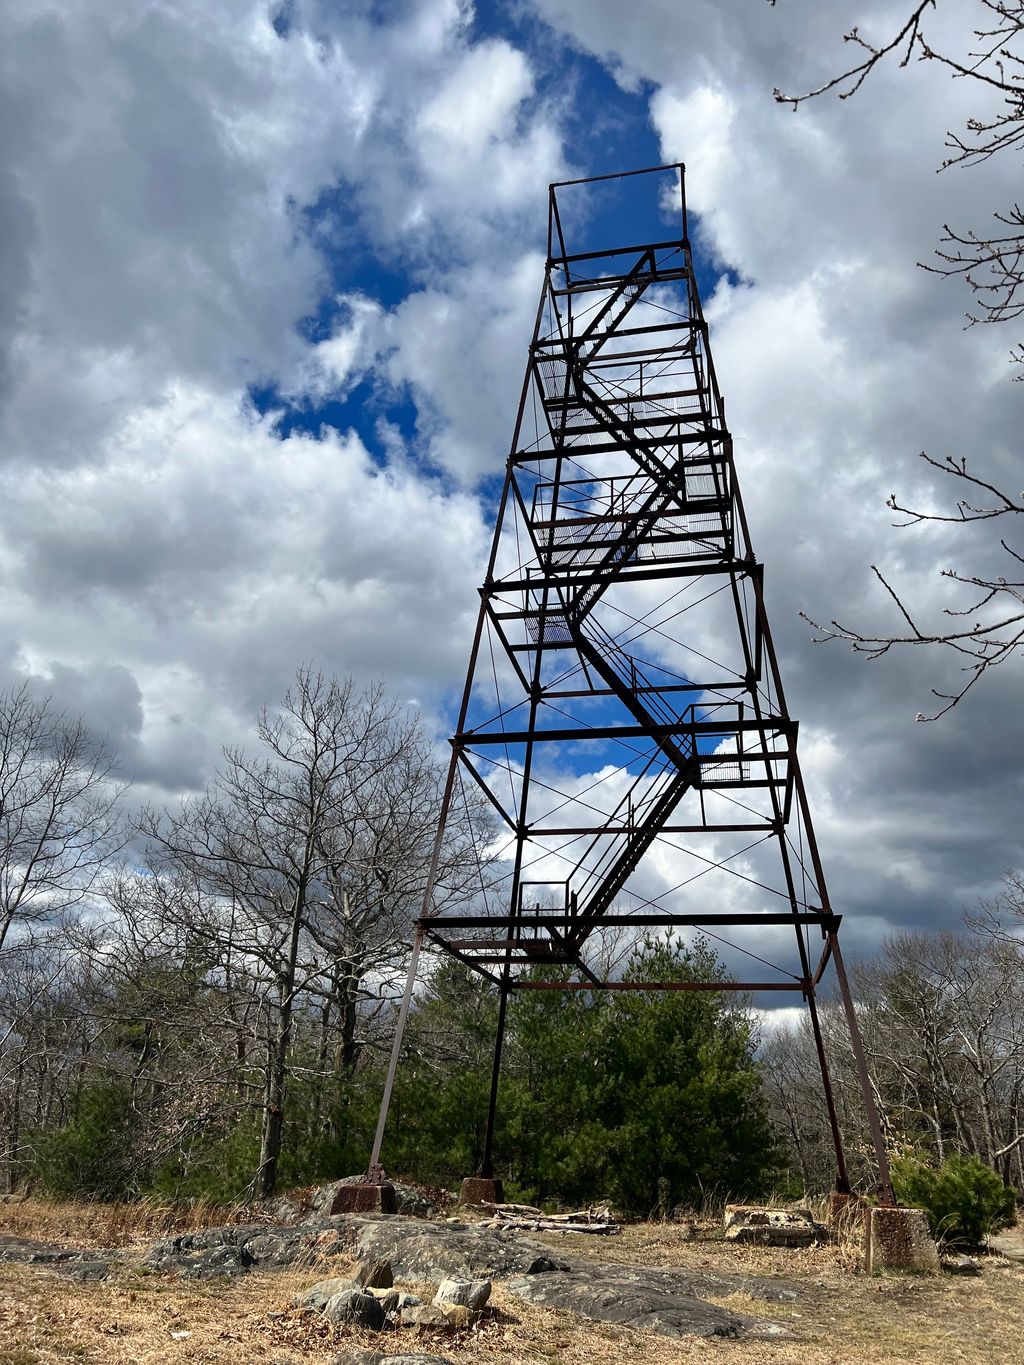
(963, 1198)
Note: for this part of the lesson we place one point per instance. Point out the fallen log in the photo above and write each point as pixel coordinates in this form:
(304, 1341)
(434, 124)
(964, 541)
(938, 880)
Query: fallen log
(550, 1223)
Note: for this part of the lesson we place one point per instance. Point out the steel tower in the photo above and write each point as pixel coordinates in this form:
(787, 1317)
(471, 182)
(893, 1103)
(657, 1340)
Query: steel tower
(623, 712)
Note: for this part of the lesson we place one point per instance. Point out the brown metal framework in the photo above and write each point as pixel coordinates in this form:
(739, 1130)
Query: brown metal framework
(623, 712)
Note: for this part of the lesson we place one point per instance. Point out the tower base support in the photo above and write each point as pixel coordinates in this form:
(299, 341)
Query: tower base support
(899, 1240)
(481, 1189)
(365, 1198)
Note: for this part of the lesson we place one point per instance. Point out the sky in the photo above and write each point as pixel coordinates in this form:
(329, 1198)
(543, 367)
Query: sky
(270, 277)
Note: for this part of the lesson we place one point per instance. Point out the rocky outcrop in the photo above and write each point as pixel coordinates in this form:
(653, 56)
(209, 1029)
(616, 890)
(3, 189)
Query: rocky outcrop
(440, 1250)
(64, 1261)
(661, 1301)
(415, 1250)
(234, 1250)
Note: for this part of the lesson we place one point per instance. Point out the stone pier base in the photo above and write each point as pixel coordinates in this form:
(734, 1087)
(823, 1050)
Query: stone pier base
(365, 1199)
(899, 1240)
(749, 1223)
(480, 1189)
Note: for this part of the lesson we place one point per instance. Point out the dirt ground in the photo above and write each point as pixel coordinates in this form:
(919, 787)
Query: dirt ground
(841, 1317)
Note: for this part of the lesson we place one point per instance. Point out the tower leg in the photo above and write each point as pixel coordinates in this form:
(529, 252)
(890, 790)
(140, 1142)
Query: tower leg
(842, 1175)
(487, 1164)
(885, 1192)
(483, 1188)
(396, 1049)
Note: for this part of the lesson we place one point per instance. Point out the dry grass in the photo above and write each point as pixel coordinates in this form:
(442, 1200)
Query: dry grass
(82, 1223)
(842, 1318)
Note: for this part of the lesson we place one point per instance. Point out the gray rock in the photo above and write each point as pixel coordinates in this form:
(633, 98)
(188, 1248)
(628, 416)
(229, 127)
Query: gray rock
(317, 1295)
(472, 1294)
(962, 1265)
(428, 1319)
(202, 1255)
(660, 1301)
(223, 1260)
(409, 1300)
(438, 1250)
(355, 1306)
(387, 1298)
(273, 1249)
(65, 1261)
(772, 1294)
(541, 1265)
(375, 1274)
(86, 1272)
(269, 1247)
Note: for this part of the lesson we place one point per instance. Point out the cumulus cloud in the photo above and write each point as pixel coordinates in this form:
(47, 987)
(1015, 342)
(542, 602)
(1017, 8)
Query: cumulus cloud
(205, 183)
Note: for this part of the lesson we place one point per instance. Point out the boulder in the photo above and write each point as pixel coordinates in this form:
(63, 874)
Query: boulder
(469, 1293)
(355, 1306)
(387, 1298)
(746, 1224)
(408, 1300)
(962, 1265)
(427, 1319)
(460, 1316)
(317, 1296)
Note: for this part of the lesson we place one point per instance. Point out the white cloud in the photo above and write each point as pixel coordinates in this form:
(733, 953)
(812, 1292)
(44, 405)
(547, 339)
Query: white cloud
(203, 546)
(186, 186)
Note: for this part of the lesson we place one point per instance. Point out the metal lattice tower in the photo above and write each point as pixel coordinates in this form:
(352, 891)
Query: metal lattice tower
(622, 634)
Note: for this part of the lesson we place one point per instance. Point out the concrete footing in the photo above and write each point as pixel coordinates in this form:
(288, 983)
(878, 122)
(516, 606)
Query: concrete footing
(899, 1240)
(480, 1189)
(749, 1223)
(365, 1199)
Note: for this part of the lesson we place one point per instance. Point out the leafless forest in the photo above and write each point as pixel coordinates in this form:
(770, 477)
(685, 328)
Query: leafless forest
(228, 968)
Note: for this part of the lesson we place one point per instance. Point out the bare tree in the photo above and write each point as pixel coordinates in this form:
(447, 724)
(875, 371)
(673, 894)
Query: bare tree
(309, 857)
(992, 264)
(33, 995)
(942, 1019)
(989, 628)
(59, 811)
